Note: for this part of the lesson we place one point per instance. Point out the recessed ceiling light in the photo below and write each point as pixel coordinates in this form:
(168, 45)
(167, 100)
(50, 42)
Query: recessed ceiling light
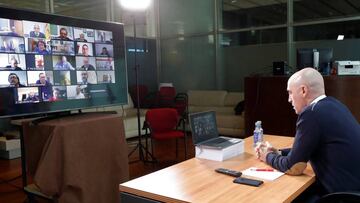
(340, 37)
(135, 4)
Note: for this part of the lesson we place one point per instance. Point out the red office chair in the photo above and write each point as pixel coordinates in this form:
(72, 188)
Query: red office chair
(163, 123)
(146, 99)
(181, 105)
(167, 98)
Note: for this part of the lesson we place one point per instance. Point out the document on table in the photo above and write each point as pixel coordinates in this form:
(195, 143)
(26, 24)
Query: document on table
(266, 175)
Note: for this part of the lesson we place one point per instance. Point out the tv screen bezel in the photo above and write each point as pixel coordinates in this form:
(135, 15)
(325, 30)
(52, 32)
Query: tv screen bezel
(119, 58)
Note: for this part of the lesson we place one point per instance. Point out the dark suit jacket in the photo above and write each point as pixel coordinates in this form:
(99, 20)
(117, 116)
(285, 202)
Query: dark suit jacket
(41, 35)
(328, 136)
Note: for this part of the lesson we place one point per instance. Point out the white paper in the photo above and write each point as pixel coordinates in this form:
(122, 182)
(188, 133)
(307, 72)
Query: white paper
(265, 175)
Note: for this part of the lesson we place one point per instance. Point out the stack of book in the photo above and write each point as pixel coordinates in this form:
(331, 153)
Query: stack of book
(215, 154)
(10, 147)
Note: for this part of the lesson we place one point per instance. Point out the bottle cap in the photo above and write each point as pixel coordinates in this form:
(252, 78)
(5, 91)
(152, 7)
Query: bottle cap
(258, 123)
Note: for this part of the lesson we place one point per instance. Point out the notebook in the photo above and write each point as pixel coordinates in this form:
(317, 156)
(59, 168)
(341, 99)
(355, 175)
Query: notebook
(205, 133)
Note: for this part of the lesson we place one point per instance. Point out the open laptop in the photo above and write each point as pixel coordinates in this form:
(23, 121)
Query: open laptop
(205, 133)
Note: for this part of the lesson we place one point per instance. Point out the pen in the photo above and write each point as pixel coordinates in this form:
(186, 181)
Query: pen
(262, 169)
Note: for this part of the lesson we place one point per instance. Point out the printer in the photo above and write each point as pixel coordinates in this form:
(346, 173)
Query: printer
(348, 67)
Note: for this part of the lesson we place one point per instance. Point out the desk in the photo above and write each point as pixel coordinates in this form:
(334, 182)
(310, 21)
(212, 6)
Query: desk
(80, 158)
(195, 180)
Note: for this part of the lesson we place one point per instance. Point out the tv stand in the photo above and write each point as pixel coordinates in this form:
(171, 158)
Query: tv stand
(56, 142)
(64, 114)
(35, 120)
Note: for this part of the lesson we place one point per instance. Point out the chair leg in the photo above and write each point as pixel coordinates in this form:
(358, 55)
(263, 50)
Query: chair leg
(177, 153)
(152, 147)
(185, 146)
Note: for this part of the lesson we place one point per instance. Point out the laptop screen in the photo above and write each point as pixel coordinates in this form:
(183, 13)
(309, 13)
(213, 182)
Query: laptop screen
(203, 126)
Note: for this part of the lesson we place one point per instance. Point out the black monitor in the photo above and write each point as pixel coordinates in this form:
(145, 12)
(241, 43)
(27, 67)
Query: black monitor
(51, 63)
(325, 60)
(305, 58)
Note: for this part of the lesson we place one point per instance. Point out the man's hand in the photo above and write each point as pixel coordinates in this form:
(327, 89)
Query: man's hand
(262, 149)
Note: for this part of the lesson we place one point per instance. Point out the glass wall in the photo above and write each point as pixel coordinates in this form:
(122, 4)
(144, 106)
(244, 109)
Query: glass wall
(185, 17)
(146, 60)
(187, 44)
(243, 14)
(254, 37)
(35, 5)
(328, 31)
(313, 10)
(189, 63)
(251, 42)
(88, 9)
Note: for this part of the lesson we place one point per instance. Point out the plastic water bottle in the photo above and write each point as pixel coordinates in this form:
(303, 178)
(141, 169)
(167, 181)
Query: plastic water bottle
(258, 133)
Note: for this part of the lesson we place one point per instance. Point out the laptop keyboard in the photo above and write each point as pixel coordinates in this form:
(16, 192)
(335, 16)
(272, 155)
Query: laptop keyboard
(219, 140)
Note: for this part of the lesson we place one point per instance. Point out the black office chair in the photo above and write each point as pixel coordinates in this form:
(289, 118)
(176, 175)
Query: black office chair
(341, 197)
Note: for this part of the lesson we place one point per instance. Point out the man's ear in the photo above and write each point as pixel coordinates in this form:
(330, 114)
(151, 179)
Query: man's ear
(304, 90)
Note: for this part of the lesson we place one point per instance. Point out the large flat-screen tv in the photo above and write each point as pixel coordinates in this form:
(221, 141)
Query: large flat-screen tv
(51, 63)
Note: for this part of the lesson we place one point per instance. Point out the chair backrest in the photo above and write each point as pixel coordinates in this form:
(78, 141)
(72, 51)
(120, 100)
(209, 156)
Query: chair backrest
(162, 119)
(167, 96)
(181, 104)
(341, 197)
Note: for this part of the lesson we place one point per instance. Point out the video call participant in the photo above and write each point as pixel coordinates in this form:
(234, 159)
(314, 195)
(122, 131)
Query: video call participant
(56, 95)
(106, 78)
(327, 135)
(14, 80)
(64, 79)
(32, 97)
(63, 64)
(45, 87)
(86, 65)
(107, 65)
(84, 78)
(13, 64)
(104, 52)
(79, 93)
(7, 46)
(36, 32)
(63, 34)
(41, 48)
(85, 50)
(81, 38)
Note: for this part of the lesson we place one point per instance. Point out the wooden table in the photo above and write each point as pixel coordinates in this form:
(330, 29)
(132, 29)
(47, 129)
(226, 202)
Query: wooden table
(195, 180)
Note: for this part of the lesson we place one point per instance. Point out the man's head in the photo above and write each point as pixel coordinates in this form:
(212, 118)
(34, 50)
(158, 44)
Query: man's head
(63, 33)
(36, 28)
(56, 93)
(42, 78)
(85, 49)
(13, 79)
(82, 36)
(64, 59)
(106, 78)
(104, 51)
(84, 76)
(14, 62)
(86, 60)
(303, 87)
